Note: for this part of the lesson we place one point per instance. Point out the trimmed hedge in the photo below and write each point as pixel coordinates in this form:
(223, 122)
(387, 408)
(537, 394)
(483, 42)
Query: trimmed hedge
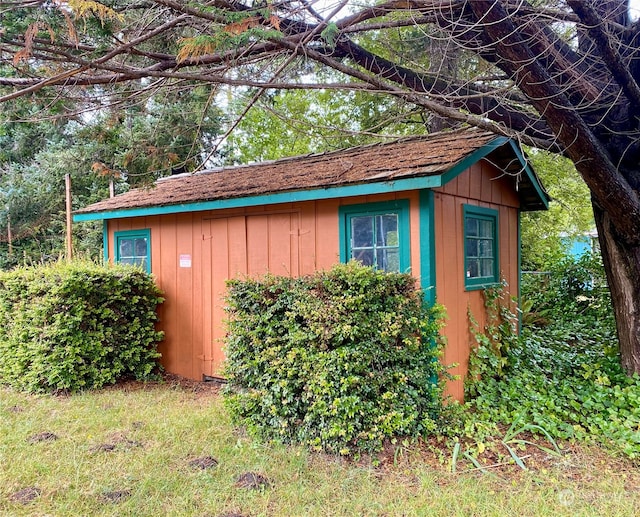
(74, 326)
(339, 361)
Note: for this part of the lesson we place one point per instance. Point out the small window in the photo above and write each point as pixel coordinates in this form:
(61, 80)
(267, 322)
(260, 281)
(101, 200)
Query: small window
(480, 247)
(376, 234)
(134, 247)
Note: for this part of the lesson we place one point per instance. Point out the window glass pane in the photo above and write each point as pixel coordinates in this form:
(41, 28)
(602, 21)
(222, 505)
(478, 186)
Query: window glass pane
(486, 248)
(363, 255)
(388, 259)
(141, 247)
(387, 230)
(362, 231)
(392, 238)
(128, 260)
(472, 268)
(126, 248)
(471, 246)
(486, 228)
(471, 227)
(487, 267)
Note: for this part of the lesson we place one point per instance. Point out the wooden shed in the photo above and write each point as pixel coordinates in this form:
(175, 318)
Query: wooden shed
(445, 207)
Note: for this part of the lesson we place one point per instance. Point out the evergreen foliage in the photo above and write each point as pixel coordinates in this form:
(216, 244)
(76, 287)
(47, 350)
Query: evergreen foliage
(339, 361)
(296, 122)
(129, 145)
(76, 326)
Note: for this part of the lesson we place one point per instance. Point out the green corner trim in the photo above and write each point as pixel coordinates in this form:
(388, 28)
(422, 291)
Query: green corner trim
(105, 241)
(519, 272)
(427, 247)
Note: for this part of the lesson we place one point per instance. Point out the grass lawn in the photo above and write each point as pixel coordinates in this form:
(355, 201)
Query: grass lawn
(143, 450)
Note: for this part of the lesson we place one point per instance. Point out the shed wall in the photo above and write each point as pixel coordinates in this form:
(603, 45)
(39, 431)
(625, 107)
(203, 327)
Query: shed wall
(287, 239)
(481, 185)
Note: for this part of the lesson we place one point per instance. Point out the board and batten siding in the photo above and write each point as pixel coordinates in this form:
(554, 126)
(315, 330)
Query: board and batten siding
(194, 253)
(284, 239)
(486, 186)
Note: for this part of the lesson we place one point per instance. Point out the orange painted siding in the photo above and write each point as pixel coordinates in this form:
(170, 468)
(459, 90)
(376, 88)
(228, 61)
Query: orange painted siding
(482, 185)
(300, 238)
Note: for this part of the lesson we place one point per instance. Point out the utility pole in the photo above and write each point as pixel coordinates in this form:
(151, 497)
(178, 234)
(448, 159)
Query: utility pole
(67, 183)
(9, 235)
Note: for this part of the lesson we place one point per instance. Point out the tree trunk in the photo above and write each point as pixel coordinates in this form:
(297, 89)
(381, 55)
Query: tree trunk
(622, 266)
(443, 60)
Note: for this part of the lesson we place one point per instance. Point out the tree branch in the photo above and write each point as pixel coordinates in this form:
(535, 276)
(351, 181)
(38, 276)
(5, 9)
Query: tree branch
(612, 192)
(612, 59)
(422, 100)
(463, 96)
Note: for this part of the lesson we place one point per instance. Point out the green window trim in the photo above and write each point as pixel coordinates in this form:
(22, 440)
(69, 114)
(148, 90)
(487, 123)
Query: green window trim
(387, 248)
(481, 250)
(133, 247)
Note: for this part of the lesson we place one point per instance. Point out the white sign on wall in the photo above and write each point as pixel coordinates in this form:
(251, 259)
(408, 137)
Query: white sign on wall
(185, 260)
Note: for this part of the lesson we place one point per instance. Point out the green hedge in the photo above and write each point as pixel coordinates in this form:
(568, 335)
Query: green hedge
(339, 361)
(67, 327)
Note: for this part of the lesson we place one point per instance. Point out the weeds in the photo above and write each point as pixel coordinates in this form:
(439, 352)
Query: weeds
(511, 441)
(563, 378)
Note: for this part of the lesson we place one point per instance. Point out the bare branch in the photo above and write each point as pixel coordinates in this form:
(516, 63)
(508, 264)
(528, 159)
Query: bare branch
(611, 58)
(574, 134)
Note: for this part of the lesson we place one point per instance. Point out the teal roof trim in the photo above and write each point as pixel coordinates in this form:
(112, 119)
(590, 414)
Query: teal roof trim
(474, 157)
(271, 199)
(531, 175)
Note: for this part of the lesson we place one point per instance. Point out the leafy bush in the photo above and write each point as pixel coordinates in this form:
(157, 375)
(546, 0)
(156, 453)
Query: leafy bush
(572, 288)
(564, 377)
(76, 326)
(339, 360)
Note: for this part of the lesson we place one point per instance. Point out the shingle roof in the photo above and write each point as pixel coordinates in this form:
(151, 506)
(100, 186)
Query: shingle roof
(406, 158)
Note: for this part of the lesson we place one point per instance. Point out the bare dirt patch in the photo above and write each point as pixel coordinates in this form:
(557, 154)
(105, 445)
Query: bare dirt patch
(203, 388)
(116, 496)
(252, 481)
(117, 441)
(205, 462)
(44, 436)
(169, 380)
(25, 495)
(104, 447)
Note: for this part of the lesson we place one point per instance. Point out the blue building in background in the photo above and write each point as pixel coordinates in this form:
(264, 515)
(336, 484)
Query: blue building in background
(581, 244)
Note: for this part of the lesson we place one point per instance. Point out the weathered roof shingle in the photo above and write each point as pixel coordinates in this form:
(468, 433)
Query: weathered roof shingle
(411, 157)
